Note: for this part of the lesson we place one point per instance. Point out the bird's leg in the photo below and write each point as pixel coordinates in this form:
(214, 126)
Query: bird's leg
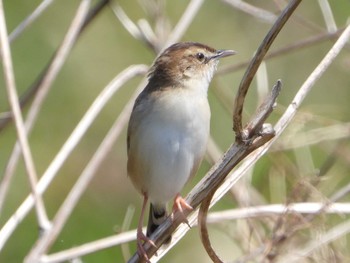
(180, 205)
(140, 235)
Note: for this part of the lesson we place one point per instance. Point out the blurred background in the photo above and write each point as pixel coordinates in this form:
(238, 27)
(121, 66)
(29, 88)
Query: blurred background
(310, 162)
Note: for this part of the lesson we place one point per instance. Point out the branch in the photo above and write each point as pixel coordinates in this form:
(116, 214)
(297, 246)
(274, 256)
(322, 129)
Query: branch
(213, 218)
(306, 88)
(29, 20)
(9, 76)
(252, 130)
(262, 14)
(254, 65)
(68, 147)
(255, 137)
(34, 89)
(297, 46)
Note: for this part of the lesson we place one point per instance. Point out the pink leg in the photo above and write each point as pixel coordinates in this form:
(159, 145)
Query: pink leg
(140, 235)
(180, 205)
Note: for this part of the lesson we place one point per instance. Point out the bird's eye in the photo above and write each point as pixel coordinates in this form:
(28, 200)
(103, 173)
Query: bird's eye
(200, 56)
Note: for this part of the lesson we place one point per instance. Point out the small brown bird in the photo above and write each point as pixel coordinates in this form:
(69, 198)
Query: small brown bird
(169, 129)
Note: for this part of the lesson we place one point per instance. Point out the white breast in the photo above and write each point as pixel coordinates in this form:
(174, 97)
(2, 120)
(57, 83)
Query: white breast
(169, 143)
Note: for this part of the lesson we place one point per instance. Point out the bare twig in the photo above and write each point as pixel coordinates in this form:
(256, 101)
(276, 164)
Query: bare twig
(134, 30)
(128, 24)
(43, 89)
(68, 147)
(278, 209)
(63, 50)
(30, 19)
(213, 218)
(314, 136)
(297, 46)
(89, 247)
(308, 84)
(74, 195)
(204, 234)
(33, 89)
(130, 212)
(252, 10)
(252, 132)
(184, 22)
(254, 65)
(311, 80)
(328, 15)
(42, 218)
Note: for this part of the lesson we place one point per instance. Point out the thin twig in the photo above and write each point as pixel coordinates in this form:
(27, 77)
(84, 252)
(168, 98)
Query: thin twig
(89, 247)
(149, 38)
(313, 136)
(133, 29)
(308, 84)
(42, 218)
(184, 22)
(43, 89)
(204, 234)
(213, 218)
(44, 243)
(328, 15)
(252, 132)
(311, 80)
(128, 24)
(33, 90)
(297, 46)
(130, 212)
(279, 209)
(262, 14)
(68, 147)
(254, 65)
(29, 20)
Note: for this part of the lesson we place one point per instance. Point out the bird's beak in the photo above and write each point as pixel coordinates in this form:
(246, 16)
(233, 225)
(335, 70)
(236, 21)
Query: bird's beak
(223, 53)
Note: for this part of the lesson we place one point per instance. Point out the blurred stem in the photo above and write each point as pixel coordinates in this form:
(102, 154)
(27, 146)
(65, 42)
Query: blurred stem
(29, 20)
(28, 95)
(23, 143)
(297, 46)
(31, 91)
(65, 210)
(43, 89)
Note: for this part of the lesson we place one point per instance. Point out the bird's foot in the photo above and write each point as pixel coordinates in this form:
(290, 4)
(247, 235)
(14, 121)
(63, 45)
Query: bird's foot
(141, 240)
(181, 205)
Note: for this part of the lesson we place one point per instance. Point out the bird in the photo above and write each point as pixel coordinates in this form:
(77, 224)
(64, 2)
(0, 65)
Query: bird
(169, 128)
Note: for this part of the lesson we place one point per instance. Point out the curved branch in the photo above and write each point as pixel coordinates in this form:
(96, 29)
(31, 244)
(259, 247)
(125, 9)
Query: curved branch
(203, 230)
(254, 65)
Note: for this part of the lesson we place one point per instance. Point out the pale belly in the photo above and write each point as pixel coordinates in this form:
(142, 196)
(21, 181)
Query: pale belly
(167, 149)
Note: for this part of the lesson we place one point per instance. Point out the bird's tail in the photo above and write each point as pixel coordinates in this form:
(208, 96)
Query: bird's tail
(157, 215)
